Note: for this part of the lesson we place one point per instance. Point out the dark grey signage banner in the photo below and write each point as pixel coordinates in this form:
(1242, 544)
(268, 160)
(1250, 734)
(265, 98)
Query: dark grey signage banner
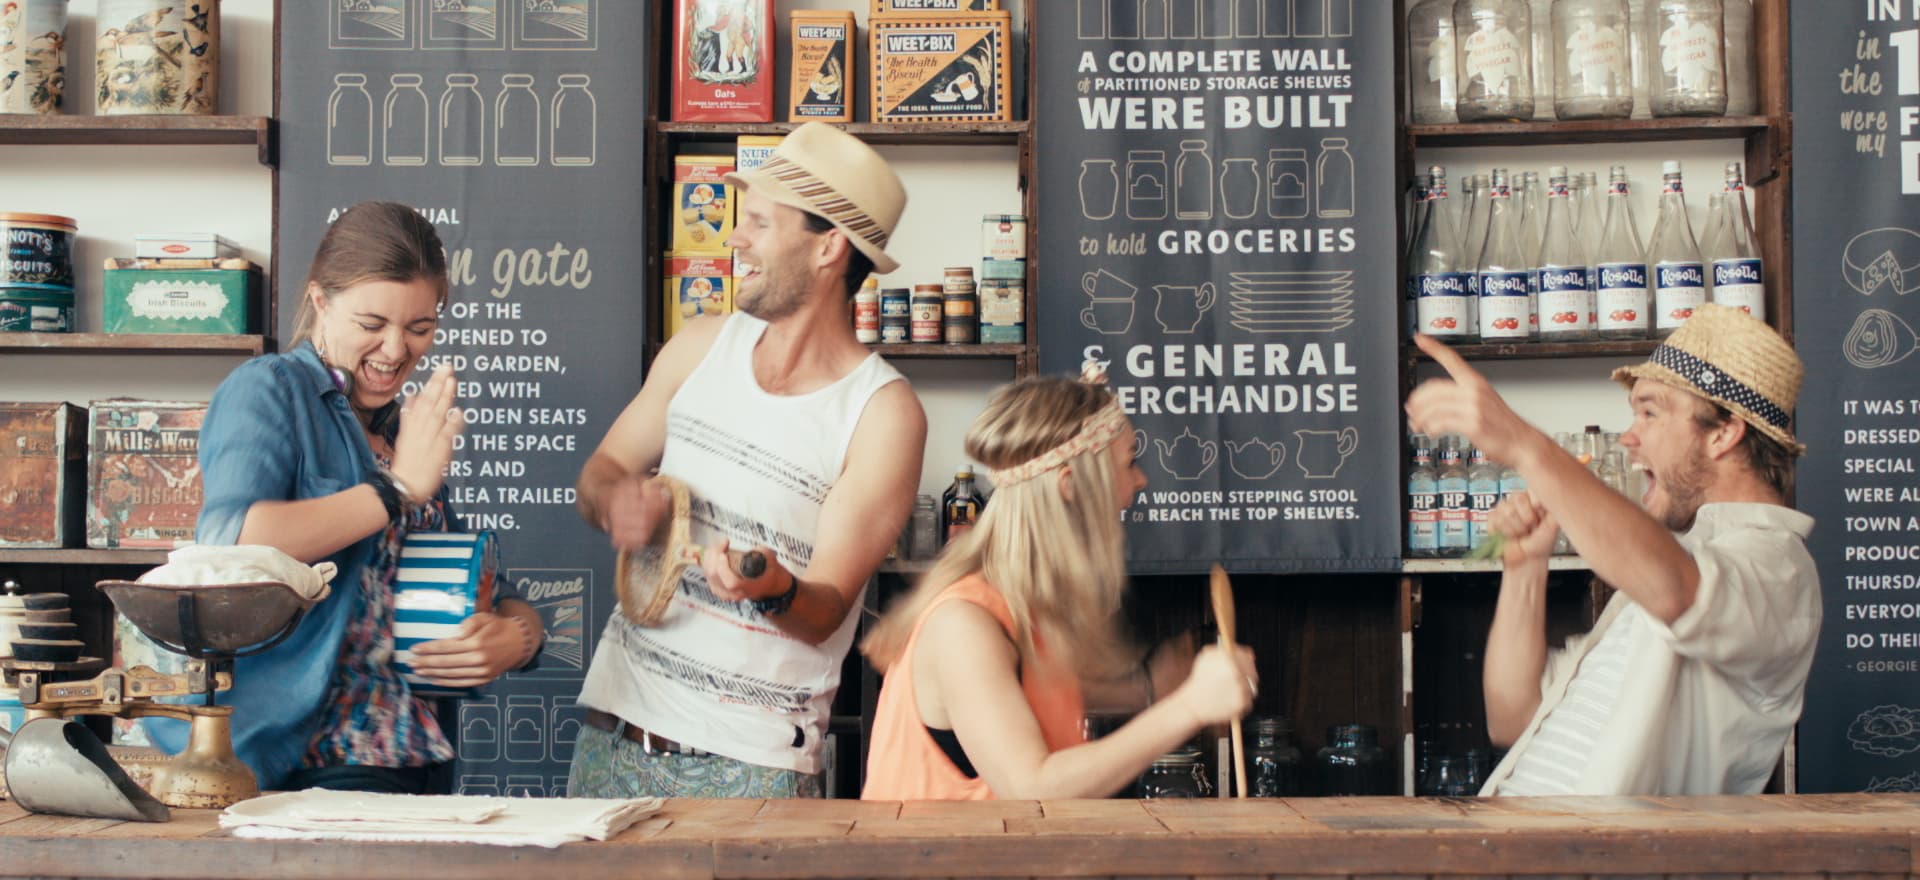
(1856, 259)
(1217, 225)
(516, 126)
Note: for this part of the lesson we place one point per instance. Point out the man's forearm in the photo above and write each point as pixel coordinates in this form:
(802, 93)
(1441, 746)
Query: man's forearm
(1516, 654)
(816, 613)
(596, 477)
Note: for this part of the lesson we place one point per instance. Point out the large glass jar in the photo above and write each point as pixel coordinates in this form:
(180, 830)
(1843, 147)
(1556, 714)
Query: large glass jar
(1353, 764)
(1177, 774)
(1449, 776)
(1593, 69)
(1540, 13)
(1273, 764)
(1685, 48)
(1743, 96)
(1637, 18)
(1430, 62)
(1494, 57)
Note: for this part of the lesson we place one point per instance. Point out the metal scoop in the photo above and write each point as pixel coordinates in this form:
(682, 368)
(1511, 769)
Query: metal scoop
(57, 765)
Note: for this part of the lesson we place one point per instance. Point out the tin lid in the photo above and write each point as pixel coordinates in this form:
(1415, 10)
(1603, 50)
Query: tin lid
(935, 289)
(960, 271)
(1005, 218)
(41, 220)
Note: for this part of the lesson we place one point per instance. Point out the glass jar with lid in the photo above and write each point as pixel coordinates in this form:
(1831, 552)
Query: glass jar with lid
(1493, 53)
(1353, 764)
(1176, 774)
(1685, 47)
(1430, 62)
(1273, 763)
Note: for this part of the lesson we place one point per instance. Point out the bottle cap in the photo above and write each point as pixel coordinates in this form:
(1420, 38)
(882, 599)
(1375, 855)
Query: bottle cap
(1438, 171)
(1670, 167)
(1557, 171)
(871, 283)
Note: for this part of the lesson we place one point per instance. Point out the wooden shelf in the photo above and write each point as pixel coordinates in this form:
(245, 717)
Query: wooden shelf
(1523, 351)
(133, 343)
(153, 130)
(929, 350)
(83, 556)
(906, 566)
(1586, 131)
(929, 134)
(1470, 566)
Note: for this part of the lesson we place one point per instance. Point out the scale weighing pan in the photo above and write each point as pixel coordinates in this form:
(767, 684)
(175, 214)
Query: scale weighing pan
(229, 618)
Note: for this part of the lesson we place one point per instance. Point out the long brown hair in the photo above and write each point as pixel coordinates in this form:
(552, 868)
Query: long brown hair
(1060, 564)
(372, 241)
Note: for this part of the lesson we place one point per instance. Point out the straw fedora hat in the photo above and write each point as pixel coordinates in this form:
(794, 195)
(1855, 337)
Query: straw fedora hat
(822, 170)
(1731, 358)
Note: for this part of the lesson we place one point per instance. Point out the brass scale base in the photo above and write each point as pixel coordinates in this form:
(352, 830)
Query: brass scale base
(206, 775)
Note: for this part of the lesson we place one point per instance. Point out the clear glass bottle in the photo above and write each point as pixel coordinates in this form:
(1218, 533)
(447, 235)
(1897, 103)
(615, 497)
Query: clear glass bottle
(1533, 219)
(1439, 271)
(1416, 217)
(1613, 471)
(1637, 46)
(1353, 764)
(1738, 274)
(1273, 763)
(516, 122)
(1685, 46)
(1447, 776)
(350, 121)
(405, 111)
(1511, 481)
(1176, 774)
(463, 121)
(574, 120)
(1483, 492)
(1494, 57)
(1430, 62)
(1673, 257)
(1423, 514)
(1540, 16)
(1455, 504)
(1416, 207)
(1193, 182)
(1587, 227)
(1566, 290)
(1502, 268)
(1593, 59)
(1620, 290)
(1334, 180)
(1743, 93)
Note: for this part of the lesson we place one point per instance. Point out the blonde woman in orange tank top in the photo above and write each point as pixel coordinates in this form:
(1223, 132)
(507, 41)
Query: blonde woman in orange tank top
(991, 660)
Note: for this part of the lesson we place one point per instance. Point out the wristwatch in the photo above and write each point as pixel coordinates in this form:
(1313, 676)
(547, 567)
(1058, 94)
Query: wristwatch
(776, 605)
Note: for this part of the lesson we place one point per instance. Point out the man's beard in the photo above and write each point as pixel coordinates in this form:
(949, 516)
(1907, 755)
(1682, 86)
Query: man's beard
(1684, 488)
(772, 299)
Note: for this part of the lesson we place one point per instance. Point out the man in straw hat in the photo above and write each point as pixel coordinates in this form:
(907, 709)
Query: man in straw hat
(794, 439)
(1694, 674)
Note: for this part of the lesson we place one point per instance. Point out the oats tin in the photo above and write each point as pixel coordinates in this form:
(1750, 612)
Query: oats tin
(157, 56)
(33, 56)
(723, 61)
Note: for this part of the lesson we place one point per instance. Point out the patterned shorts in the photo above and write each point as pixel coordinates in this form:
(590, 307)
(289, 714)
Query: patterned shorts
(608, 766)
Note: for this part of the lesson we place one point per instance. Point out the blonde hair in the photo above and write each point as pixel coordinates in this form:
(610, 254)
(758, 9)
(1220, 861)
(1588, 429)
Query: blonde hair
(372, 241)
(1060, 564)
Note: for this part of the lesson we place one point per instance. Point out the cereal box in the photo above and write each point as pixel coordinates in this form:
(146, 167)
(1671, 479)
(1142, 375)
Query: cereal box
(940, 68)
(697, 285)
(753, 150)
(143, 473)
(723, 61)
(43, 455)
(702, 205)
(891, 7)
(823, 65)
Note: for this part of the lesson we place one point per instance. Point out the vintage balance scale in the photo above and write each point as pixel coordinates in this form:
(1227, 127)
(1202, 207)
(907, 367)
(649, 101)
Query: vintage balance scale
(54, 764)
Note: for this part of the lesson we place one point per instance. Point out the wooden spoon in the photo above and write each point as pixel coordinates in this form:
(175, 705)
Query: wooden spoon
(1223, 617)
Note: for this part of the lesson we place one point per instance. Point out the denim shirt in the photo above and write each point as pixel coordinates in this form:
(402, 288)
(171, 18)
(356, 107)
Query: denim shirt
(278, 430)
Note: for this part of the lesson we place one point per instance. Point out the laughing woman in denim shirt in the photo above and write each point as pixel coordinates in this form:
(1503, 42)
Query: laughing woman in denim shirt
(312, 453)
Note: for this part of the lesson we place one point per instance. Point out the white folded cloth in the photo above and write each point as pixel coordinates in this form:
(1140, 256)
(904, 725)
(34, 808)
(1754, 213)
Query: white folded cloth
(318, 814)
(207, 564)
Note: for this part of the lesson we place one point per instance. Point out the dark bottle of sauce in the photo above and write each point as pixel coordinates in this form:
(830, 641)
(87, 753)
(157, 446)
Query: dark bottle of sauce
(960, 505)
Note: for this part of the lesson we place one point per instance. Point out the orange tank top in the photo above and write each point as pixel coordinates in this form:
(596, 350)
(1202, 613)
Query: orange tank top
(905, 764)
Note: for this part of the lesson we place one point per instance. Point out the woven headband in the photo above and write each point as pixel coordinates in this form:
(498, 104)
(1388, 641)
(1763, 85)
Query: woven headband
(1096, 432)
(1715, 383)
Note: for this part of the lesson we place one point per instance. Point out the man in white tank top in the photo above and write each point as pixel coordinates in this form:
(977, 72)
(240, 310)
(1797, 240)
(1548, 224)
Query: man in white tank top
(795, 440)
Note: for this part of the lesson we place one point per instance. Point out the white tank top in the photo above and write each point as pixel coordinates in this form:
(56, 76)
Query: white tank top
(717, 675)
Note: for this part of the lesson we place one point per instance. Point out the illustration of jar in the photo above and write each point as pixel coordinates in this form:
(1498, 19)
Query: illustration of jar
(349, 121)
(1287, 176)
(1099, 188)
(526, 728)
(1123, 19)
(480, 730)
(1146, 185)
(1153, 19)
(1183, 19)
(1333, 179)
(573, 122)
(463, 121)
(1216, 19)
(1093, 19)
(567, 717)
(516, 122)
(1193, 182)
(1310, 18)
(1246, 18)
(404, 141)
(1276, 18)
(1240, 188)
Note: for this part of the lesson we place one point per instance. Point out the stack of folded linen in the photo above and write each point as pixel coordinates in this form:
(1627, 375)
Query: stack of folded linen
(317, 814)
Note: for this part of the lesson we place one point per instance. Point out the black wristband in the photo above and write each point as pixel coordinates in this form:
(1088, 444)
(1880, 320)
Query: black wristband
(773, 605)
(390, 496)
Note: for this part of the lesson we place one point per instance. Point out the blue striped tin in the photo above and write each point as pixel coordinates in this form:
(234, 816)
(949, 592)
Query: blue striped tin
(443, 579)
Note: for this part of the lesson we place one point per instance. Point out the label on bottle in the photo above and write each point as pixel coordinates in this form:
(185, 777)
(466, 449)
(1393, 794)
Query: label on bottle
(1740, 283)
(1594, 53)
(1456, 517)
(1504, 312)
(1497, 57)
(1440, 306)
(1482, 495)
(1423, 522)
(1620, 296)
(1690, 53)
(1678, 289)
(1566, 301)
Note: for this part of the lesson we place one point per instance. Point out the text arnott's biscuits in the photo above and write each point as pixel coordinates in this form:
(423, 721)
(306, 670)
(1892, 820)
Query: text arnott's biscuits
(940, 68)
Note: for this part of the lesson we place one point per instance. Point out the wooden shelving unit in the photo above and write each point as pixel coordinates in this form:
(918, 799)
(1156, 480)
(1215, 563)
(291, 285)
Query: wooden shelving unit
(1524, 351)
(1586, 131)
(894, 135)
(82, 556)
(256, 131)
(133, 343)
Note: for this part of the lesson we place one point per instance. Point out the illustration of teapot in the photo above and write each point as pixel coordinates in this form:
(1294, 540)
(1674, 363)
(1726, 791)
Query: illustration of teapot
(1322, 453)
(1254, 460)
(1180, 307)
(1188, 457)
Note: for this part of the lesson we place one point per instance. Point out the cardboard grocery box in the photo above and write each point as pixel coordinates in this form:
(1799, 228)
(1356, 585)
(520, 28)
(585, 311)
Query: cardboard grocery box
(702, 205)
(723, 61)
(940, 68)
(823, 66)
(43, 459)
(909, 7)
(696, 286)
(143, 473)
(189, 296)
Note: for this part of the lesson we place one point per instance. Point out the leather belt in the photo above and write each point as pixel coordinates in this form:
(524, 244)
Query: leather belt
(651, 743)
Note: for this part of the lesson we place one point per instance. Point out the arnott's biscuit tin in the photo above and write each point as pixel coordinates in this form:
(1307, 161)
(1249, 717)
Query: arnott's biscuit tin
(940, 68)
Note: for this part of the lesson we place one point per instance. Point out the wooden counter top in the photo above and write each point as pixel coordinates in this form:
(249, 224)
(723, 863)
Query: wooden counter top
(1800, 837)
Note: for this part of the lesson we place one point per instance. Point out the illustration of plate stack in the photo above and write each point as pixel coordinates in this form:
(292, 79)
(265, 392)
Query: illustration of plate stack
(1292, 302)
